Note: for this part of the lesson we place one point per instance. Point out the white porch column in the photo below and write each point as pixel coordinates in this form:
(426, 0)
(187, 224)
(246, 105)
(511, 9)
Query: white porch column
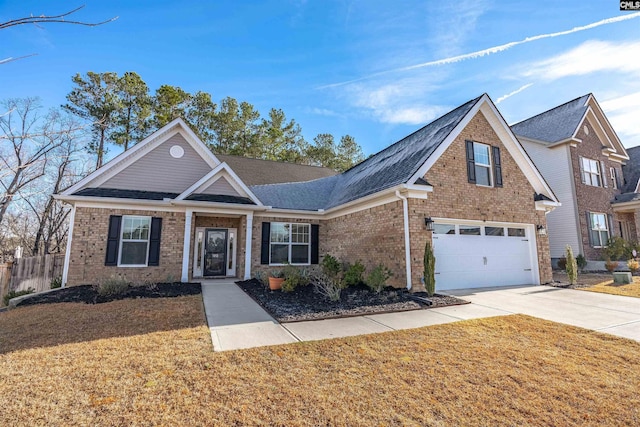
(67, 254)
(247, 250)
(187, 245)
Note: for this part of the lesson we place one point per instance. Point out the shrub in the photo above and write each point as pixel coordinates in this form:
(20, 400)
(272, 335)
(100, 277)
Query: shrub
(56, 282)
(562, 263)
(354, 274)
(327, 286)
(581, 261)
(261, 277)
(429, 270)
(572, 266)
(293, 277)
(378, 278)
(15, 294)
(611, 265)
(633, 265)
(112, 286)
(617, 248)
(331, 266)
(276, 274)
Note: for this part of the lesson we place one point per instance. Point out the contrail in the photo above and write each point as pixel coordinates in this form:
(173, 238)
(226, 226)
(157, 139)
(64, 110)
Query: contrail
(509, 95)
(491, 50)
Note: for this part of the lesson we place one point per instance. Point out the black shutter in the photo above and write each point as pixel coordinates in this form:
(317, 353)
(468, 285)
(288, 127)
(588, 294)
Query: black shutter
(589, 227)
(603, 174)
(315, 234)
(113, 240)
(154, 241)
(497, 167)
(610, 218)
(581, 170)
(264, 247)
(471, 163)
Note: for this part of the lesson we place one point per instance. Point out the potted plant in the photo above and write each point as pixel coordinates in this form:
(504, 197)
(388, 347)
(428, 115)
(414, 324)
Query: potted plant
(276, 277)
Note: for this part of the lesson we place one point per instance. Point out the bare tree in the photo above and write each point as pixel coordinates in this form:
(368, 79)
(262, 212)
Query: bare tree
(26, 141)
(48, 19)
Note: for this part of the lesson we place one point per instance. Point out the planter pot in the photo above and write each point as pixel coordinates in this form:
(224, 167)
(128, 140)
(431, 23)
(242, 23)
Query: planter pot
(275, 283)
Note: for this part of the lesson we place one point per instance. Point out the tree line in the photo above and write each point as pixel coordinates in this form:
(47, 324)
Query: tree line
(122, 111)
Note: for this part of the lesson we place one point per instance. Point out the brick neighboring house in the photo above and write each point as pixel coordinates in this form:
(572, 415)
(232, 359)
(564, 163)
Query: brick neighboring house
(627, 204)
(170, 209)
(581, 157)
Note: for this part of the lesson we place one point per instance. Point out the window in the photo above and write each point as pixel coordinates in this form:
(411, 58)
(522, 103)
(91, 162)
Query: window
(469, 230)
(134, 241)
(289, 243)
(614, 177)
(590, 172)
(482, 164)
(444, 229)
(599, 231)
(515, 232)
(494, 231)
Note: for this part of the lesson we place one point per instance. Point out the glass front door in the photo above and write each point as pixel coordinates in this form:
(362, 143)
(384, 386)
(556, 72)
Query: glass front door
(215, 252)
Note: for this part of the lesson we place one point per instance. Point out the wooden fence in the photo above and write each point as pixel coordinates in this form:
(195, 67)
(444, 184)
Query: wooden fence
(34, 272)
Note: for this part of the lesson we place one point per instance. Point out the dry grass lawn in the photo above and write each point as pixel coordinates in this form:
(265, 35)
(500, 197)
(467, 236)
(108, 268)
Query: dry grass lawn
(150, 362)
(603, 283)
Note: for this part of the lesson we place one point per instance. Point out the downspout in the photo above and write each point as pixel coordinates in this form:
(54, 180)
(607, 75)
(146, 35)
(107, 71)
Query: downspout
(407, 247)
(67, 252)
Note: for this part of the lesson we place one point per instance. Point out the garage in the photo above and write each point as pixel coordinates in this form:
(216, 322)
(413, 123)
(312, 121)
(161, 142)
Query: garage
(483, 254)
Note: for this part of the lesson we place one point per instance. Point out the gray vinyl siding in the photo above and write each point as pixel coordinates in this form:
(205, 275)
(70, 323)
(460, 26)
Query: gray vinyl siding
(158, 171)
(555, 166)
(221, 186)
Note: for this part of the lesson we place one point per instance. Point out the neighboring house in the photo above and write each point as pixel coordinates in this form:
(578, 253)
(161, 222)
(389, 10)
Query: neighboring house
(581, 157)
(169, 209)
(627, 204)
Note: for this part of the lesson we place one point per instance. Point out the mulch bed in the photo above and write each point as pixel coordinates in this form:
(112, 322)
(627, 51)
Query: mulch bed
(564, 285)
(89, 295)
(305, 304)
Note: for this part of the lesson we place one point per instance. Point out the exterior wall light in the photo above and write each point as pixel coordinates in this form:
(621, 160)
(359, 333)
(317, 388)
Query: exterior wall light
(541, 230)
(428, 223)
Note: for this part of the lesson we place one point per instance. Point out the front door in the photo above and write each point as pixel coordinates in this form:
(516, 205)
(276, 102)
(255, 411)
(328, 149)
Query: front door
(215, 252)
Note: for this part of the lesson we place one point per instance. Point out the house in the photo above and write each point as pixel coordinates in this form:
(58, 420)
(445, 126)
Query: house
(581, 157)
(170, 209)
(627, 204)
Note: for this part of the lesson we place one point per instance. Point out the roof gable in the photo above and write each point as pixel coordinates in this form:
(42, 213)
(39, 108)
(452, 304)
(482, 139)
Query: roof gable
(261, 172)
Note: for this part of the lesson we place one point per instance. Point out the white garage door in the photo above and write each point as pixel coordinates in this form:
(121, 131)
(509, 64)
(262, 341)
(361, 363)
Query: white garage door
(475, 256)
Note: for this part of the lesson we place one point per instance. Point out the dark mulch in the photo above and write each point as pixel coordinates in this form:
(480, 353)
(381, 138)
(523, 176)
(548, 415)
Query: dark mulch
(89, 295)
(305, 304)
(565, 285)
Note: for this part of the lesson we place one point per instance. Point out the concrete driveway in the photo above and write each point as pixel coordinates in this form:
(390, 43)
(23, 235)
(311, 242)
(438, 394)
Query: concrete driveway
(613, 314)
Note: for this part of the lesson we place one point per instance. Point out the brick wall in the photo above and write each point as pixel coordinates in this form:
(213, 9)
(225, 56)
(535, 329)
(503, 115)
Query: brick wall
(590, 198)
(89, 244)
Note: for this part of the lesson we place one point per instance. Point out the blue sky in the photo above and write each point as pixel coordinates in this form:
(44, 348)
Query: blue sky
(377, 70)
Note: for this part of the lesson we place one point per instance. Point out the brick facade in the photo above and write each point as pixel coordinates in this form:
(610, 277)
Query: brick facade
(89, 244)
(590, 198)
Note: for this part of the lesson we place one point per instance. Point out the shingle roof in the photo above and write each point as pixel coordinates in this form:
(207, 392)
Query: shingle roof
(392, 166)
(554, 125)
(155, 195)
(258, 171)
(631, 170)
(220, 198)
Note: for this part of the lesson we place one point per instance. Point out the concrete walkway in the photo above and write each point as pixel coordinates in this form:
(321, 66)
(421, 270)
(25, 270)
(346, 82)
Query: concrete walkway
(236, 321)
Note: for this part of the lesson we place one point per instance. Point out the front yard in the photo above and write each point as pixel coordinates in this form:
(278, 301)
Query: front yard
(603, 283)
(150, 362)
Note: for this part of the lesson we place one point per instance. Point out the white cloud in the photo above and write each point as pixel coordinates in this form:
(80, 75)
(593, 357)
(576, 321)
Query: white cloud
(515, 92)
(419, 115)
(323, 112)
(590, 57)
(623, 114)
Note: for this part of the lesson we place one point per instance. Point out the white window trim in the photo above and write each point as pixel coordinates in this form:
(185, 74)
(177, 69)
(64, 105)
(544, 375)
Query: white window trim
(290, 244)
(614, 174)
(146, 261)
(598, 172)
(606, 225)
(488, 166)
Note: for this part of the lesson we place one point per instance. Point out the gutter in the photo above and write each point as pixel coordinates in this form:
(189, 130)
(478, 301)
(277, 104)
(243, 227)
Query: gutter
(407, 247)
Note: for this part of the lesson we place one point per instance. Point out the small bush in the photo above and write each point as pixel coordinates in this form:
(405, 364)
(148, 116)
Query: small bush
(327, 286)
(611, 265)
(633, 265)
(261, 277)
(562, 263)
(617, 248)
(581, 261)
(112, 286)
(429, 270)
(354, 274)
(56, 282)
(15, 294)
(378, 277)
(293, 277)
(572, 266)
(331, 266)
(276, 274)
